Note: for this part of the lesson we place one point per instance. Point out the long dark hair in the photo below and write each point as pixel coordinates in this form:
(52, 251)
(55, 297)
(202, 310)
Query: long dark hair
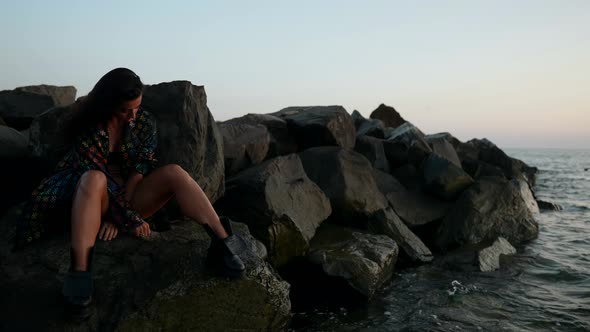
(110, 92)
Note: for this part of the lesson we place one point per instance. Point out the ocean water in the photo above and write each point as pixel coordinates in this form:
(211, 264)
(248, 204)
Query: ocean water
(544, 287)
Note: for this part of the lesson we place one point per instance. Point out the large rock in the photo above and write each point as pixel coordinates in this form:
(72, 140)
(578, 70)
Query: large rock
(406, 133)
(409, 176)
(389, 116)
(526, 194)
(346, 178)
(372, 149)
(13, 144)
(368, 127)
(365, 261)
(492, 207)
(481, 257)
(280, 204)
(319, 126)
(281, 143)
(244, 145)
(385, 221)
(442, 147)
(446, 136)
(19, 108)
(20, 173)
(413, 138)
(544, 205)
(489, 258)
(443, 178)
(396, 153)
(415, 208)
(486, 151)
(477, 169)
(154, 285)
(61, 95)
(46, 136)
(187, 133)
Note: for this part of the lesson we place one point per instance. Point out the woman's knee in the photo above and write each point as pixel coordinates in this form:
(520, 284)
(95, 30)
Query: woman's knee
(92, 181)
(174, 172)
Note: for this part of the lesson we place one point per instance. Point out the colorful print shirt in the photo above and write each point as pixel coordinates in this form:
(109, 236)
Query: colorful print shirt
(90, 151)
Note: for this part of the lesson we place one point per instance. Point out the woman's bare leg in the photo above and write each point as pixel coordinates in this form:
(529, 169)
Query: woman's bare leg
(89, 204)
(152, 193)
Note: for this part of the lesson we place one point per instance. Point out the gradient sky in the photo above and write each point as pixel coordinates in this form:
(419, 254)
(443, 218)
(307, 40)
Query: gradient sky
(516, 72)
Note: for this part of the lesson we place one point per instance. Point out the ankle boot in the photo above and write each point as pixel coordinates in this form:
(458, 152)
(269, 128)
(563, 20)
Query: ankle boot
(78, 288)
(222, 254)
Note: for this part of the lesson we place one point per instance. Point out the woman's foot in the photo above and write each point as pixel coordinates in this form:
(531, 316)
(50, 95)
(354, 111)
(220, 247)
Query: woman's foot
(78, 288)
(222, 255)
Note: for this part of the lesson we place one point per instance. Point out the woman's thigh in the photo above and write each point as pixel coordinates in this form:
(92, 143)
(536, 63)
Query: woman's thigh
(156, 189)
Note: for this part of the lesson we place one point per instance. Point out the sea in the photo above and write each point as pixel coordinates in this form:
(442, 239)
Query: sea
(544, 287)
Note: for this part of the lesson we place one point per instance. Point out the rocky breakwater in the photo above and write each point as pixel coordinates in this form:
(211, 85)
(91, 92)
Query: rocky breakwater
(337, 201)
(395, 196)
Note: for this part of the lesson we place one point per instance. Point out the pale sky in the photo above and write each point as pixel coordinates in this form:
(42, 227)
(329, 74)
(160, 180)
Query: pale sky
(515, 72)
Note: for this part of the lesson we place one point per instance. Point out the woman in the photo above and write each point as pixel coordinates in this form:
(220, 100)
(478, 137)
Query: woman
(110, 182)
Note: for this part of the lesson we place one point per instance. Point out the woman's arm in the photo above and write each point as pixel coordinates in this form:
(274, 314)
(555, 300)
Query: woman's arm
(132, 182)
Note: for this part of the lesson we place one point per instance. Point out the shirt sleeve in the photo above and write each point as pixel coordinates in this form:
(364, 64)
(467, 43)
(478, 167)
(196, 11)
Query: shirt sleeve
(145, 161)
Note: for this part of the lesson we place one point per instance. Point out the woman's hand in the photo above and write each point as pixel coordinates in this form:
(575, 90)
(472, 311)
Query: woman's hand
(108, 231)
(142, 230)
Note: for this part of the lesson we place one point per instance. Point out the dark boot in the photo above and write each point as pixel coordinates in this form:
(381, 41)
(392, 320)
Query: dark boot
(222, 255)
(78, 288)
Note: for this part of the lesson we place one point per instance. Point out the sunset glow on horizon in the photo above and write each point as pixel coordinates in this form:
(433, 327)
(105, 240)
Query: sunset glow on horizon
(516, 73)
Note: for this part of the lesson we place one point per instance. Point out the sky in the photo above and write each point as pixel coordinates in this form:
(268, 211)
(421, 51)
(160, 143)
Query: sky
(516, 72)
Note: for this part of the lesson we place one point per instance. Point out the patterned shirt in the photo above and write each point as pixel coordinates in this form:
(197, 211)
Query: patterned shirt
(90, 151)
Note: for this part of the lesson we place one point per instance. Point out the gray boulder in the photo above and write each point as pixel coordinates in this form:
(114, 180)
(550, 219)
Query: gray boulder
(372, 149)
(526, 194)
(281, 143)
(480, 257)
(396, 153)
(415, 208)
(446, 136)
(19, 108)
(244, 145)
(477, 169)
(365, 261)
(488, 152)
(489, 258)
(413, 138)
(13, 144)
(385, 221)
(406, 133)
(20, 174)
(443, 178)
(61, 95)
(280, 204)
(409, 176)
(491, 208)
(389, 116)
(346, 178)
(544, 205)
(143, 285)
(319, 126)
(368, 127)
(442, 147)
(187, 133)
(46, 137)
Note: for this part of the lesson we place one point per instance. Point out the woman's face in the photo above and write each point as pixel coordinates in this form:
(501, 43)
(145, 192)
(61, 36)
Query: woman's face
(128, 110)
